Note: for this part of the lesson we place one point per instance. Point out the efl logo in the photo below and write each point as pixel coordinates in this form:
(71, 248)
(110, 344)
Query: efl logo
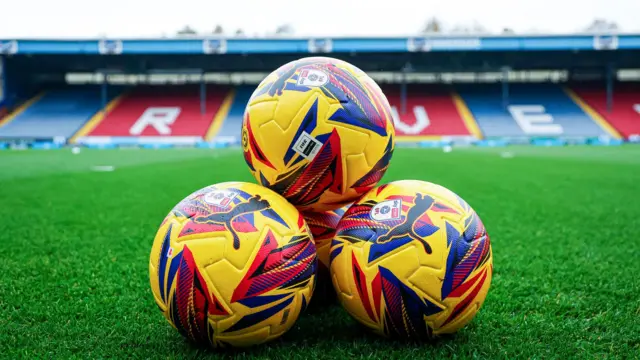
(320, 45)
(605, 42)
(214, 46)
(220, 198)
(312, 77)
(9, 47)
(307, 146)
(110, 47)
(387, 210)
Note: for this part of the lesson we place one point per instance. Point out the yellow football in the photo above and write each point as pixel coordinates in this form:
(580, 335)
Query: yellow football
(411, 259)
(319, 132)
(233, 264)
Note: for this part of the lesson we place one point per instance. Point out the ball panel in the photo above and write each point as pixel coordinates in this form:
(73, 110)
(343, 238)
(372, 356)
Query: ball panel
(294, 111)
(411, 259)
(323, 228)
(467, 303)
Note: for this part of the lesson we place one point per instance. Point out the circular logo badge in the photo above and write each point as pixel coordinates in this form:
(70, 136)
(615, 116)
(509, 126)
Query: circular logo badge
(245, 139)
(312, 77)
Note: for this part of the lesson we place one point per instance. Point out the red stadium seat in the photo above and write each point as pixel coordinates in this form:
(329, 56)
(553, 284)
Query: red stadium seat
(625, 112)
(161, 111)
(430, 111)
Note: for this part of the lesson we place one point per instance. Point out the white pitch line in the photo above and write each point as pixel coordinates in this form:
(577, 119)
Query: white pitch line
(103, 168)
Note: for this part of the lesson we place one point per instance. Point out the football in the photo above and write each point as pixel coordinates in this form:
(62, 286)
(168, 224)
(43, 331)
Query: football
(323, 228)
(233, 264)
(318, 131)
(411, 259)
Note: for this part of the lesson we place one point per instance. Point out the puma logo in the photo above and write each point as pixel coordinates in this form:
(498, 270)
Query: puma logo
(254, 204)
(422, 204)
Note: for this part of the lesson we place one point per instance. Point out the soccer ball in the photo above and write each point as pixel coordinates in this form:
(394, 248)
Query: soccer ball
(319, 132)
(323, 228)
(233, 264)
(411, 259)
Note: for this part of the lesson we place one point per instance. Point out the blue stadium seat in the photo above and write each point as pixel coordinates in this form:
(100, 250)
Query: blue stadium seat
(57, 113)
(542, 100)
(232, 125)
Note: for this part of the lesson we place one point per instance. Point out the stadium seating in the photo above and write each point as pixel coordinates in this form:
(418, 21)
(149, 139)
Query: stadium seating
(533, 110)
(430, 111)
(172, 114)
(161, 113)
(625, 112)
(232, 125)
(58, 113)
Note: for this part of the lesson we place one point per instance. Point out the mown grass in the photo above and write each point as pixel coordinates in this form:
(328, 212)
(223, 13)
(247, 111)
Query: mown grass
(564, 224)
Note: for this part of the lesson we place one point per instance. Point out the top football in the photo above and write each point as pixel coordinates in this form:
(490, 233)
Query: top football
(318, 131)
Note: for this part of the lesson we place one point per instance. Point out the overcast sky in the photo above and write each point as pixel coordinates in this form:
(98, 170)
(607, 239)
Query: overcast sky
(130, 18)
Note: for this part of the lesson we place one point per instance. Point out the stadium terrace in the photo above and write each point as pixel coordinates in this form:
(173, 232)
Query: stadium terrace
(485, 91)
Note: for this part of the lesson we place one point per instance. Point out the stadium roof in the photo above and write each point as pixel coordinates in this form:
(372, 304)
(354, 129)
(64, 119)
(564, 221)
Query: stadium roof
(425, 54)
(218, 45)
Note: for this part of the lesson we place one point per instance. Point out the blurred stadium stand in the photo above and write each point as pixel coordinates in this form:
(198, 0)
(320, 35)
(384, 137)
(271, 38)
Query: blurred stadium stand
(161, 114)
(233, 120)
(623, 112)
(55, 113)
(429, 111)
(166, 92)
(555, 112)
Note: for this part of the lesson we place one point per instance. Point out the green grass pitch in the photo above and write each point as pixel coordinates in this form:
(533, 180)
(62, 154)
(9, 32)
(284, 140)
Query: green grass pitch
(564, 224)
